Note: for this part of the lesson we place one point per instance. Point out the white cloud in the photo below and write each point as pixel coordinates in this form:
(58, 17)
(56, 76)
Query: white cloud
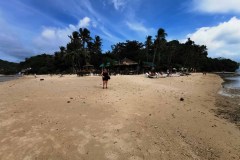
(51, 38)
(140, 28)
(85, 22)
(118, 4)
(108, 36)
(217, 6)
(48, 33)
(221, 40)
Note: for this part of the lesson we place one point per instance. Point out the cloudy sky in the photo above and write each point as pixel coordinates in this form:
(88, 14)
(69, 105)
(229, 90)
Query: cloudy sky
(31, 27)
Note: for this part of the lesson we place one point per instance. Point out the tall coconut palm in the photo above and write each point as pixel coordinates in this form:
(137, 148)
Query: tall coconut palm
(148, 45)
(172, 49)
(161, 35)
(86, 38)
(189, 49)
(97, 44)
(75, 41)
(159, 43)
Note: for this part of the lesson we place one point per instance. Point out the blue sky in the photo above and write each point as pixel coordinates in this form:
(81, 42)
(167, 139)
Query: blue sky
(31, 27)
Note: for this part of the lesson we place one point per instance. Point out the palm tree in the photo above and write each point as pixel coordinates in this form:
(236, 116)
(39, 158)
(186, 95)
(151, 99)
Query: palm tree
(159, 42)
(62, 49)
(97, 44)
(161, 34)
(148, 45)
(76, 58)
(75, 41)
(172, 49)
(189, 46)
(86, 38)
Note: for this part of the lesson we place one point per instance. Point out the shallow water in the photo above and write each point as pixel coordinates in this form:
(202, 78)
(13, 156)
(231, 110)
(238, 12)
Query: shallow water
(4, 78)
(231, 86)
(232, 82)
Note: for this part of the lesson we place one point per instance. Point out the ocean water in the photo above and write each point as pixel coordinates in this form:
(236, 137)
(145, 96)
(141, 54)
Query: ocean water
(231, 86)
(4, 78)
(233, 82)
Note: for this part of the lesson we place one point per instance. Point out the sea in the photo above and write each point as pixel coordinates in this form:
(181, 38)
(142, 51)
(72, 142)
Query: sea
(231, 85)
(4, 78)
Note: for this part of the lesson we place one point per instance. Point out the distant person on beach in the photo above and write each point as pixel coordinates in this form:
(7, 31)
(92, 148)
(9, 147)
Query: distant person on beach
(105, 77)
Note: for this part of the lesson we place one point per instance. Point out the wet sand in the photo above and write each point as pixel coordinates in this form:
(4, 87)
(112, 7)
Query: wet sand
(228, 107)
(136, 118)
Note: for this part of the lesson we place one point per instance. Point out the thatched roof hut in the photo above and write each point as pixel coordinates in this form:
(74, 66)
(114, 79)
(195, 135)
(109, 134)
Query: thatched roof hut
(127, 66)
(126, 62)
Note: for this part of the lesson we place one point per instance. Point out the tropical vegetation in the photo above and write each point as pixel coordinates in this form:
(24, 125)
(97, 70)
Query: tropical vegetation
(83, 49)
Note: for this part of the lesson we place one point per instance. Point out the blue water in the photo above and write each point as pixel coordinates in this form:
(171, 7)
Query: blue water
(233, 82)
(231, 86)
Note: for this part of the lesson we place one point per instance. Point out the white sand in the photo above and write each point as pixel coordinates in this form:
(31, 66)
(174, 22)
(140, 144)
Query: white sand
(136, 118)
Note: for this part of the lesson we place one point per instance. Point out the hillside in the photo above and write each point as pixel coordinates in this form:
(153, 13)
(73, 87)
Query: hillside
(8, 67)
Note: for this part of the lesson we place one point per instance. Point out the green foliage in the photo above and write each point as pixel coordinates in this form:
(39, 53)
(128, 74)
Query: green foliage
(8, 67)
(160, 48)
(82, 49)
(95, 51)
(222, 64)
(148, 48)
(40, 64)
(128, 49)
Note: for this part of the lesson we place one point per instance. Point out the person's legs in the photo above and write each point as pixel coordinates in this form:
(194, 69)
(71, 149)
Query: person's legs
(106, 83)
(103, 84)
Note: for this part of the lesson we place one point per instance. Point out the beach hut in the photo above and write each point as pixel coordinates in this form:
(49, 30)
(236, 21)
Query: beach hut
(86, 70)
(127, 66)
(88, 67)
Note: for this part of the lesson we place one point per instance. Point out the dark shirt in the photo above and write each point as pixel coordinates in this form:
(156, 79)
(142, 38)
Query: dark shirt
(105, 76)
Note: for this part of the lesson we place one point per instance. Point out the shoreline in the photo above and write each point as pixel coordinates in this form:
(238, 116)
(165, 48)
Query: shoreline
(228, 108)
(228, 103)
(5, 78)
(135, 118)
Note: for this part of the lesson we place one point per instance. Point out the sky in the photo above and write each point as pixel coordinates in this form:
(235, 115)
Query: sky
(32, 27)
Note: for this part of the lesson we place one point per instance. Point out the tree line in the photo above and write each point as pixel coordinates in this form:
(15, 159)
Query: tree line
(8, 67)
(83, 49)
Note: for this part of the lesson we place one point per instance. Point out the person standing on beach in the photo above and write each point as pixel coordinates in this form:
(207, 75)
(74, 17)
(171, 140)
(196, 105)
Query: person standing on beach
(105, 77)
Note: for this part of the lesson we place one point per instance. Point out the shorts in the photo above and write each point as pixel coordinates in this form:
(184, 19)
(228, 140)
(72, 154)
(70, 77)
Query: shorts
(105, 78)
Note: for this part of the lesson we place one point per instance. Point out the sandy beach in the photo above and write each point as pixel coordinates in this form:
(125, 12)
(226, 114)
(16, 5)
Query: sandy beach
(136, 118)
